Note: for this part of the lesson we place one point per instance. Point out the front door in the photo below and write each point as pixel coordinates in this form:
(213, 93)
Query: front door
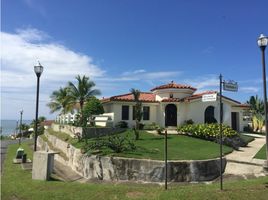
(171, 115)
(235, 124)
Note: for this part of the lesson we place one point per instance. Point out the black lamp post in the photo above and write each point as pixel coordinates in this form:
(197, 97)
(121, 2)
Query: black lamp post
(21, 112)
(262, 42)
(38, 71)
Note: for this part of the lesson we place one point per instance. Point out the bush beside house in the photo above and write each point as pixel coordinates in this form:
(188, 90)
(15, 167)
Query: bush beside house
(212, 132)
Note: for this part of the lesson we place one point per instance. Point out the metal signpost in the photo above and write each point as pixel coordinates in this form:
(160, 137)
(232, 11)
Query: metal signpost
(232, 87)
(165, 159)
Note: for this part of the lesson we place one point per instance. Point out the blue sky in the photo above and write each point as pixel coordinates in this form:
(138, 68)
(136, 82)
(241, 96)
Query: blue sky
(123, 44)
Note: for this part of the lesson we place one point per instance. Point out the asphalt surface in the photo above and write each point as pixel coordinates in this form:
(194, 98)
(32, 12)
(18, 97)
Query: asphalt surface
(4, 146)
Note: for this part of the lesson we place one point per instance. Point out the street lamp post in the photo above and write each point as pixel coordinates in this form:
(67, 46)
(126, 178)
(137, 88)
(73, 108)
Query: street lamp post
(21, 112)
(262, 43)
(38, 71)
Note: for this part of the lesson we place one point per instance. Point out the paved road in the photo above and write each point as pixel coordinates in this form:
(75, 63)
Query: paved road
(4, 146)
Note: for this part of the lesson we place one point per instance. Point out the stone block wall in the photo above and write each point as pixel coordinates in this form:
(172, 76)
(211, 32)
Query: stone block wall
(96, 167)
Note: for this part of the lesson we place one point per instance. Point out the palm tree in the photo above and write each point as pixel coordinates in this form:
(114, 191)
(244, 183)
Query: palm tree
(60, 101)
(256, 105)
(138, 111)
(81, 92)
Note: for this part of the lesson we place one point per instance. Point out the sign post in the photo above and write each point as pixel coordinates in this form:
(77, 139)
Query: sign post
(165, 159)
(231, 86)
(221, 130)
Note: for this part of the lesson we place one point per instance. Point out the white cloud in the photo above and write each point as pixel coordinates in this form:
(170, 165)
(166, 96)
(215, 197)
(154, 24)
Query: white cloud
(206, 82)
(20, 51)
(249, 89)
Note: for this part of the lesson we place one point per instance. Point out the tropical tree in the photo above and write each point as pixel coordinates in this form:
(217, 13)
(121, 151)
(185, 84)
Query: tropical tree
(60, 101)
(92, 106)
(256, 105)
(257, 112)
(82, 91)
(137, 111)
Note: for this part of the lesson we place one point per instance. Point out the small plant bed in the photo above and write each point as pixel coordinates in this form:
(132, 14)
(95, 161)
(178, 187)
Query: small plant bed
(261, 153)
(211, 132)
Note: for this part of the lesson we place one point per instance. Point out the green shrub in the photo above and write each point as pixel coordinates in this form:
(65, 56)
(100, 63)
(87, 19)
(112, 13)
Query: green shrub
(151, 126)
(207, 131)
(189, 121)
(121, 124)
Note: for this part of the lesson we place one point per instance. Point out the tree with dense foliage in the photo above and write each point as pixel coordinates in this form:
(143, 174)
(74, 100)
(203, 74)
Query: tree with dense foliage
(82, 91)
(256, 105)
(257, 112)
(60, 101)
(92, 106)
(137, 111)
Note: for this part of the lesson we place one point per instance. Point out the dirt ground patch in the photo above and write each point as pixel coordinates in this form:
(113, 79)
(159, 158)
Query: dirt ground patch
(135, 195)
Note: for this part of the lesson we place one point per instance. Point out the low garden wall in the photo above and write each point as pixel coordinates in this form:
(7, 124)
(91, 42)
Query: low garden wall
(88, 132)
(96, 167)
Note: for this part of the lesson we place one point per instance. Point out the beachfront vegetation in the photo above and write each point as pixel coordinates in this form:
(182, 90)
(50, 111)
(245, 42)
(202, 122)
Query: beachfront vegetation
(73, 97)
(18, 184)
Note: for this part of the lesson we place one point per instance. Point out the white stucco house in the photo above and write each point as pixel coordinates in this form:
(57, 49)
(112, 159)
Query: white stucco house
(172, 104)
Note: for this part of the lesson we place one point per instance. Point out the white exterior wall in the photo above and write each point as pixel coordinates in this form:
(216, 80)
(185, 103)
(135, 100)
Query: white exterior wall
(177, 93)
(194, 110)
(116, 108)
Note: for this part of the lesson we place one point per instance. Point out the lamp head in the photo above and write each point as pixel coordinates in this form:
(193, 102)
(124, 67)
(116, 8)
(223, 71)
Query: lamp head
(38, 69)
(262, 41)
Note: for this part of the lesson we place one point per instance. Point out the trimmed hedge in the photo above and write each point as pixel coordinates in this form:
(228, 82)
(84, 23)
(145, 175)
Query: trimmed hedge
(206, 131)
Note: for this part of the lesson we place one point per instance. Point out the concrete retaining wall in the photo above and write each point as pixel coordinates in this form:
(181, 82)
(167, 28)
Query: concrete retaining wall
(117, 168)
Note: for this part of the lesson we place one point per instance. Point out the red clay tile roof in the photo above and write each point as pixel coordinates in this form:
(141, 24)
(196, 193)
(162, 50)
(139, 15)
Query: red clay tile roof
(47, 122)
(144, 97)
(173, 85)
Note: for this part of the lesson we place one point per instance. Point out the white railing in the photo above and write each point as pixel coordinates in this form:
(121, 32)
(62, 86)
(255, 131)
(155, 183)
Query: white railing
(105, 119)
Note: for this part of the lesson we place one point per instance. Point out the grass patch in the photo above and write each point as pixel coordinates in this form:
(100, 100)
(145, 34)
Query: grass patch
(180, 147)
(261, 153)
(246, 138)
(18, 184)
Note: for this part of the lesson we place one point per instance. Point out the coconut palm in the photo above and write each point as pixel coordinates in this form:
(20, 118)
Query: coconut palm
(138, 111)
(82, 92)
(60, 101)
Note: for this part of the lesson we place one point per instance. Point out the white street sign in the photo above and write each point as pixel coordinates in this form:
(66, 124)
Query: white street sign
(230, 86)
(209, 97)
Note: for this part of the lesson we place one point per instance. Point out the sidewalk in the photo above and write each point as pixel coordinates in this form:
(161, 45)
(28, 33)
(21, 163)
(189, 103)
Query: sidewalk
(242, 162)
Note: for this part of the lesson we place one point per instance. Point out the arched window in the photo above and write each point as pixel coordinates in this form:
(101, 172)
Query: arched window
(209, 115)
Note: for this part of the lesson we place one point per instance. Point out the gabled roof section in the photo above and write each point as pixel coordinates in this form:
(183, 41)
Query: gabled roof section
(144, 97)
(174, 85)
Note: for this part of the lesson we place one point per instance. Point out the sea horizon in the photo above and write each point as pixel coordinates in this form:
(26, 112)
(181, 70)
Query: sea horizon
(8, 126)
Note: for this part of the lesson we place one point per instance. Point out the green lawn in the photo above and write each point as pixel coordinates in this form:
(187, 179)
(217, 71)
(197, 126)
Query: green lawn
(152, 147)
(262, 153)
(17, 184)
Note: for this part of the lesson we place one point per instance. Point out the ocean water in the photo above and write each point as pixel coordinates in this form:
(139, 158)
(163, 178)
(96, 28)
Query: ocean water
(8, 127)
